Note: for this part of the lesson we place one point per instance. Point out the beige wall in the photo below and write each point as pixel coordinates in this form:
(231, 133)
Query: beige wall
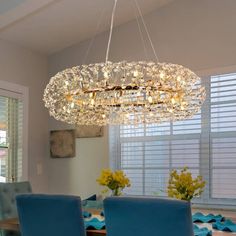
(186, 32)
(23, 67)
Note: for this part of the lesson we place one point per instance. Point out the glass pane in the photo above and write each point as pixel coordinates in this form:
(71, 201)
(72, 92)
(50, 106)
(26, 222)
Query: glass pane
(223, 183)
(136, 180)
(185, 153)
(131, 155)
(190, 126)
(157, 154)
(11, 124)
(224, 152)
(158, 129)
(223, 117)
(131, 131)
(3, 160)
(156, 182)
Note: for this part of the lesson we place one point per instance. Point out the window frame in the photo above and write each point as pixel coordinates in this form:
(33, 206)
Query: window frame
(20, 92)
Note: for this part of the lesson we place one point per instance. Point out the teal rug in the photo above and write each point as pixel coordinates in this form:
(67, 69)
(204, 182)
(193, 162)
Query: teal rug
(94, 223)
(201, 218)
(201, 231)
(227, 225)
(86, 214)
(217, 220)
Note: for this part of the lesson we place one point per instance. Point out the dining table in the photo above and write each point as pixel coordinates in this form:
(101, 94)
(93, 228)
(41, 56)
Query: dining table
(13, 225)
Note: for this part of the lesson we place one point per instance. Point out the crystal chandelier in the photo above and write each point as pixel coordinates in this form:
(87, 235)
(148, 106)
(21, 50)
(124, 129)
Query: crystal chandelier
(124, 92)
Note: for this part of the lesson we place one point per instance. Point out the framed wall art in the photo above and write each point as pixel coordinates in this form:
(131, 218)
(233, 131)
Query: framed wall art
(62, 143)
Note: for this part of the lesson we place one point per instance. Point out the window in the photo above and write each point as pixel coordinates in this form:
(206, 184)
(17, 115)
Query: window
(206, 144)
(223, 136)
(12, 140)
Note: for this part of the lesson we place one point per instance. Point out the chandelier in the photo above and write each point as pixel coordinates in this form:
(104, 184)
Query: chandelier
(124, 92)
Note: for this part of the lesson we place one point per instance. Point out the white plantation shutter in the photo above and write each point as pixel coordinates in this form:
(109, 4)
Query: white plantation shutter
(223, 136)
(205, 143)
(19, 164)
(3, 139)
(11, 125)
(149, 152)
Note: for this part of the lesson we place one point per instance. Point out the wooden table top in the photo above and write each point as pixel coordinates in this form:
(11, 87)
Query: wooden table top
(10, 224)
(13, 224)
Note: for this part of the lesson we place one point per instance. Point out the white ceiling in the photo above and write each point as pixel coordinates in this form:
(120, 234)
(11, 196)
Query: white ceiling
(48, 26)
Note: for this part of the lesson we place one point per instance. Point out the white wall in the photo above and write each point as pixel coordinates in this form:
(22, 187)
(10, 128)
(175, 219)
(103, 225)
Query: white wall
(23, 67)
(78, 175)
(198, 34)
(188, 32)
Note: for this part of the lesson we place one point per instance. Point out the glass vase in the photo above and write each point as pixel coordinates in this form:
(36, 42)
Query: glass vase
(115, 192)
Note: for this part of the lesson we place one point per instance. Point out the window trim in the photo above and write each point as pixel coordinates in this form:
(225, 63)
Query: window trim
(22, 92)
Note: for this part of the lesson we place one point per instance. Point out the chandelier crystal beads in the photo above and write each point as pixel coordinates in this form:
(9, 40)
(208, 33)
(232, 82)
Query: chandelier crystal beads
(124, 93)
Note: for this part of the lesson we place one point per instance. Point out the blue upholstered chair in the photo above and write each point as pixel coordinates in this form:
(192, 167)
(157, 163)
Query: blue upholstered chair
(147, 216)
(50, 215)
(8, 192)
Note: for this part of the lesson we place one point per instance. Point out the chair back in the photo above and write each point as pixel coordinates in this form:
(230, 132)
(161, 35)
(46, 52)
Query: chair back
(47, 215)
(8, 192)
(147, 216)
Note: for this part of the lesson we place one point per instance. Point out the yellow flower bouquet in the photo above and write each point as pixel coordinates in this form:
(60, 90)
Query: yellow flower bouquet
(115, 181)
(183, 186)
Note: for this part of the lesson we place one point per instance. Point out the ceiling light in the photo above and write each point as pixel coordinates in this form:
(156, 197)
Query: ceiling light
(124, 92)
